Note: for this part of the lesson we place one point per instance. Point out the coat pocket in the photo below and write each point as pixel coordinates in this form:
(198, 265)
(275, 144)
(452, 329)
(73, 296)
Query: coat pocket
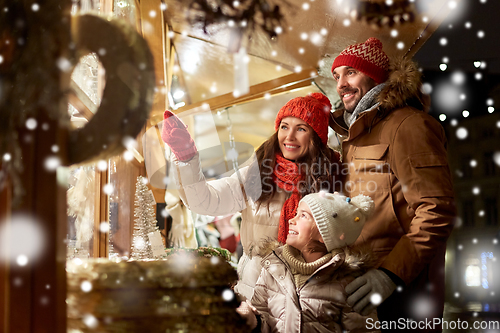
(370, 158)
(368, 171)
(433, 174)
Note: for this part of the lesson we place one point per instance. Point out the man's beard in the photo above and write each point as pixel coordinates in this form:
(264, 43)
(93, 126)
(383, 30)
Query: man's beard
(354, 104)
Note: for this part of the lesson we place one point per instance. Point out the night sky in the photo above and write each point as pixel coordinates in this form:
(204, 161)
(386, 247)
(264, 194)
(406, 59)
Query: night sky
(467, 47)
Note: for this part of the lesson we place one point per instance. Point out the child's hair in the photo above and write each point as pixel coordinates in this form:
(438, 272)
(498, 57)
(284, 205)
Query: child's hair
(313, 245)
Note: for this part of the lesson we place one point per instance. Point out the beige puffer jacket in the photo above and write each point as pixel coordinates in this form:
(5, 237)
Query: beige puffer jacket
(319, 305)
(230, 195)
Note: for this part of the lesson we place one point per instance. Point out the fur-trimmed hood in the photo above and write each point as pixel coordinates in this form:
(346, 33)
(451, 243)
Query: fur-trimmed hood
(403, 87)
(357, 259)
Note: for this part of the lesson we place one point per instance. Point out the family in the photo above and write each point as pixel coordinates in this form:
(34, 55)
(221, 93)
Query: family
(332, 240)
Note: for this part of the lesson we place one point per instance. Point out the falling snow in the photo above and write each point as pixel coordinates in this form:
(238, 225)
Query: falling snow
(496, 156)
(51, 163)
(108, 189)
(228, 295)
(22, 241)
(376, 299)
(128, 155)
(31, 123)
(104, 227)
(462, 133)
(422, 307)
(476, 190)
(86, 286)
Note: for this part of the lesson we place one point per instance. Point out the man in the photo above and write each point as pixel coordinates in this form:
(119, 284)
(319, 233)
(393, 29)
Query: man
(396, 153)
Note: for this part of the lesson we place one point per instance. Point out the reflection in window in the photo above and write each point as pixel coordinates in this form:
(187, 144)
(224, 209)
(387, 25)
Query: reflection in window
(466, 166)
(473, 274)
(486, 273)
(468, 212)
(490, 168)
(81, 213)
(491, 210)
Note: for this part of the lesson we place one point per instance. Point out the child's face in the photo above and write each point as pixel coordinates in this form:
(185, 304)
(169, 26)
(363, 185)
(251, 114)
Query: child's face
(302, 228)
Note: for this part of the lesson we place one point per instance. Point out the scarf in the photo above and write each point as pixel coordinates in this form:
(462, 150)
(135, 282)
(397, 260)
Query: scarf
(300, 269)
(367, 102)
(286, 176)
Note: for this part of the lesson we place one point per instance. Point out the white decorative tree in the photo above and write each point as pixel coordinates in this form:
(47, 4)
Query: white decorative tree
(145, 221)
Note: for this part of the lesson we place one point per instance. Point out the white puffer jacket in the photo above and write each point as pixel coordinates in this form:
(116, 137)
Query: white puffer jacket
(229, 195)
(317, 306)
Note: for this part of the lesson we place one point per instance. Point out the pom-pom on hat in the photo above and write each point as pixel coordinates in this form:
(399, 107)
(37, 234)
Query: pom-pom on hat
(314, 109)
(366, 57)
(339, 218)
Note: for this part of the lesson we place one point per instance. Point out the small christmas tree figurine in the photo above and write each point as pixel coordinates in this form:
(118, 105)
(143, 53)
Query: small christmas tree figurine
(145, 221)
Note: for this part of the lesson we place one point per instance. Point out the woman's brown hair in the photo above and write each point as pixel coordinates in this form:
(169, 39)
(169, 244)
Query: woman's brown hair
(319, 166)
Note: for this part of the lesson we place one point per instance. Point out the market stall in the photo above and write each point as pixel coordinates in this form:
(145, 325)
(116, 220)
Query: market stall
(83, 94)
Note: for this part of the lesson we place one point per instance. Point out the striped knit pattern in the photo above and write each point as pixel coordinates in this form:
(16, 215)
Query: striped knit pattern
(367, 57)
(300, 269)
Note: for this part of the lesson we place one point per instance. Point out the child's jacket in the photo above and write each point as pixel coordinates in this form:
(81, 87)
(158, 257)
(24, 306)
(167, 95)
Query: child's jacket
(319, 305)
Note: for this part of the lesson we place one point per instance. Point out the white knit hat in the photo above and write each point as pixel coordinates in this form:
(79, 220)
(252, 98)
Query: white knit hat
(339, 218)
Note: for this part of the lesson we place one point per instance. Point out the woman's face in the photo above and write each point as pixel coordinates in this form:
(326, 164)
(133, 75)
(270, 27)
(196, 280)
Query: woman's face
(294, 137)
(302, 228)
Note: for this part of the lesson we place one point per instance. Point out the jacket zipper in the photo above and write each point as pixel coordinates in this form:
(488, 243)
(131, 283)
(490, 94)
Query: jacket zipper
(296, 292)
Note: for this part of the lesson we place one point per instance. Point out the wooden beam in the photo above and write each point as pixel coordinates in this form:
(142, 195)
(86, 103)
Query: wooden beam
(275, 86)
(429, 29)
(85, 100)
(169, 58)
(101, 213)
(153, 31)
(5, 210)
(274, 92)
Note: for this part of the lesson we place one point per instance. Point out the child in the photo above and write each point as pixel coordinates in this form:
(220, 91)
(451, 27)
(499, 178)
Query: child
(301, 285)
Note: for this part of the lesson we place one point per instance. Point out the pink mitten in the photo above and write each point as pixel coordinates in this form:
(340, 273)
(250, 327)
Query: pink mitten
(176, 136)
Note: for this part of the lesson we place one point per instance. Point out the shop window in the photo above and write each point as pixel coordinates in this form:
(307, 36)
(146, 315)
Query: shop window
(488, 132)
(473, 273)
(468, 213)
(490, 168)
(491, 211)
(82, 201)
(466, 166)
(487, 274)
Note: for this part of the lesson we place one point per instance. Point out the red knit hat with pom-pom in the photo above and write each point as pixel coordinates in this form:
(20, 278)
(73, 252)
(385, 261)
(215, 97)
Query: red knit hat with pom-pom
(367, 58)
(314, 109)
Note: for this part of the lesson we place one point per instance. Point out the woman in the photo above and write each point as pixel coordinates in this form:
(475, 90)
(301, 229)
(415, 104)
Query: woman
(292, 163)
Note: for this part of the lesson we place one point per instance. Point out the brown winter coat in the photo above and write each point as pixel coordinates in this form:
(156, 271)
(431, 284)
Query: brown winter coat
(320, 304)
(396, 154)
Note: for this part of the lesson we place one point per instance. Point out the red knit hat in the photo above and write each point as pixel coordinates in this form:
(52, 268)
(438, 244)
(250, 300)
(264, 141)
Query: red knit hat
(314, 109)
(366, 57)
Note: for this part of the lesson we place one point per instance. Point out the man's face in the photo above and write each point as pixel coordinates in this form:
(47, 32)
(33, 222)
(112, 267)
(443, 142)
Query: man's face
(352, 85)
